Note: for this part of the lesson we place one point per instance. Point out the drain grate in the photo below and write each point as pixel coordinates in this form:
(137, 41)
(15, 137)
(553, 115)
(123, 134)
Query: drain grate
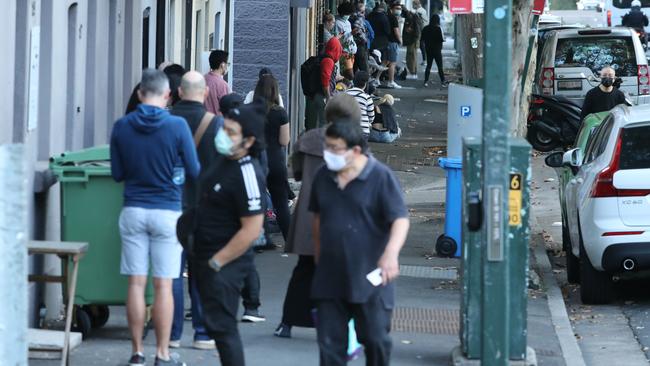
(437, 273)
(429, 321)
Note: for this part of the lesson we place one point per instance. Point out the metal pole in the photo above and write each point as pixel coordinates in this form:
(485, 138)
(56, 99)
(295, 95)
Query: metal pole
(529, 52)
(496, 168)
(13, 256)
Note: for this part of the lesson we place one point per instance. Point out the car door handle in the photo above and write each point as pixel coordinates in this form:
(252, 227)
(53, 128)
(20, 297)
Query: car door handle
(579, 180)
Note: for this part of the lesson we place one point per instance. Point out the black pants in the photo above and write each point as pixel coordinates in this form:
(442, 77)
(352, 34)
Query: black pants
(423, 49)
(361, 59)
(250, 293)
(220, 299)
(276, 183)
(297, 302)
(372, 323)
(431, 55)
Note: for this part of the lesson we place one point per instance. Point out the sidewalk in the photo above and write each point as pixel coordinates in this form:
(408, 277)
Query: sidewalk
(426, 317)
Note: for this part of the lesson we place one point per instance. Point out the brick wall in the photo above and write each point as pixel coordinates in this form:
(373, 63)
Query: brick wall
(261, 39)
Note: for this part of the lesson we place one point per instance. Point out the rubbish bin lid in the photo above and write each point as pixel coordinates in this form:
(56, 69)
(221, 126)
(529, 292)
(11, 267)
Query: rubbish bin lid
(77, 166)
(450, 163)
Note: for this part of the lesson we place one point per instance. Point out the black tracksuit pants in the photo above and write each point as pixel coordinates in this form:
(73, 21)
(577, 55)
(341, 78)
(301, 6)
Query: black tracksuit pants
(220, 299)
(435, 54)
(372, 323)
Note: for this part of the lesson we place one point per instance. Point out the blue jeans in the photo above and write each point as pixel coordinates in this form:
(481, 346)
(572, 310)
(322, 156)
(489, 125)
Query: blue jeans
(384, 137)
(200, 334)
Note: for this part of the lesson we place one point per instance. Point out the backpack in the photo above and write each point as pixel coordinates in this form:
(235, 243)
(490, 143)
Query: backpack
(310, 76)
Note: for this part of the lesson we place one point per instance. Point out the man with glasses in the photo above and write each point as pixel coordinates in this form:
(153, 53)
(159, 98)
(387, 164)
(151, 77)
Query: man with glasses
(360, 225)
(217, 86)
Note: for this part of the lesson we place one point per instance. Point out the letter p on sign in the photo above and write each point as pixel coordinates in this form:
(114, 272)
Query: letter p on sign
(465, 111)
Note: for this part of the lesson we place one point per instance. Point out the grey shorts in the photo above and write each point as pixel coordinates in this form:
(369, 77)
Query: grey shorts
(149, 234)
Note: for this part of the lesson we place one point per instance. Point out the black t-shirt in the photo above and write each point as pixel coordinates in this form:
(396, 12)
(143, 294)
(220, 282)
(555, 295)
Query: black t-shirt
(597, 100)
(355, 227)
(230, 190)
(394, 23)
(276, 118)
(381, 26)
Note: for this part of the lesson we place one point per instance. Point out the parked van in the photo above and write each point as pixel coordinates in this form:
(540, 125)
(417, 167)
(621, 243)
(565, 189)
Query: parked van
(572, 60)
(615, 9)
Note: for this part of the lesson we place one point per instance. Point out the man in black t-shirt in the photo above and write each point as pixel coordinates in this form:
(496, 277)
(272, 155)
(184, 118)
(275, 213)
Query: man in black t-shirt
(603, 97)
(230, 218)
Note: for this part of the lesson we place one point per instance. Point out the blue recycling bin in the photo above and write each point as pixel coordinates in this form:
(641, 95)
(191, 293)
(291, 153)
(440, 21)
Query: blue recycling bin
(448, 244)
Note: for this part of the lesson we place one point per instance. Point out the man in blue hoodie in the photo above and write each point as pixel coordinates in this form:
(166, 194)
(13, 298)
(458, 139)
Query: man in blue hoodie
(151, 151)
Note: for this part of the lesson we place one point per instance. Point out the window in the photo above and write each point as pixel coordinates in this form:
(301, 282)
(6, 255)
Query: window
(627, 4)
(598, 141)
(145, 37)
(635, 150)
(596, 53)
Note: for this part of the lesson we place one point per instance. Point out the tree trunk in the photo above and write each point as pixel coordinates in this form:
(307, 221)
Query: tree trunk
(470, 36)
(521, 24)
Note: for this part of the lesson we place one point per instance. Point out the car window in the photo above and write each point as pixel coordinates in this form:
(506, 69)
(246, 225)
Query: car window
(635, 149)
(593, 149)
(627, 4)
(596, 53)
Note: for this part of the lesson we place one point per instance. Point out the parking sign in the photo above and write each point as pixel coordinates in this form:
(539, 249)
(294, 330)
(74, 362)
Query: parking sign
(465, 111)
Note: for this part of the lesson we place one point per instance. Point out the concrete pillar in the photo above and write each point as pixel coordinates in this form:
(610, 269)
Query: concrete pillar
(13, 255)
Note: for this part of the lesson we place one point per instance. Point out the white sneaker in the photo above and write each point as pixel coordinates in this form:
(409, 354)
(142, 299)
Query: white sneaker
(393, 85)
(175, 344)
(412, 76)
(205, 345)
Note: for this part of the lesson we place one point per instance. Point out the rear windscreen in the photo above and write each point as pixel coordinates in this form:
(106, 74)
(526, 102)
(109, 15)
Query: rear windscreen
(627, 4)
(596, 53)
(635, 149)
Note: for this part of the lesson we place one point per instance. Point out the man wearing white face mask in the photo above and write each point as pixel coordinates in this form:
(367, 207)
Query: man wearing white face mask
(230, 217)
(360, 225)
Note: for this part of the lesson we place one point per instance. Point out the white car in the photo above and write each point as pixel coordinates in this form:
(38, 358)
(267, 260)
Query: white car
(597, 5)
(608, 203)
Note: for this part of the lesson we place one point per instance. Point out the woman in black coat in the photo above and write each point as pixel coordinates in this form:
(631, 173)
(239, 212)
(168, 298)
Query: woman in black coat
(433, 39)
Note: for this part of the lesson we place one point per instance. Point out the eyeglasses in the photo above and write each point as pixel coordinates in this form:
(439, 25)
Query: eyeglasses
(334, 148)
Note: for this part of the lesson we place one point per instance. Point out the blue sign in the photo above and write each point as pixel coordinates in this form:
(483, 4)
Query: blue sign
(465, 111)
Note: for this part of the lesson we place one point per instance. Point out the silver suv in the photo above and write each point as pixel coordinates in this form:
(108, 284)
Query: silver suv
(571, 61)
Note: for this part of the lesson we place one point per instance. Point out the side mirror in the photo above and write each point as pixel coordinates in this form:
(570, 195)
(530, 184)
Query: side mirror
(555, 160)
(572, 159)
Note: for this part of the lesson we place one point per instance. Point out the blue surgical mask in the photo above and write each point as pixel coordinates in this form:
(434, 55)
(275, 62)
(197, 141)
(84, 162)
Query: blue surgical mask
(346, 17)
(223, 143)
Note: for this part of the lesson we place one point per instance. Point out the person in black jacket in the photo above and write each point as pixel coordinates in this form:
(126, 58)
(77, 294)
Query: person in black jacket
(603, 97)
(434, 38)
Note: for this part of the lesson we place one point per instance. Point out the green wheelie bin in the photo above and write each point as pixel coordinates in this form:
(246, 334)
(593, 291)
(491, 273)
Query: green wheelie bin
(91, 202)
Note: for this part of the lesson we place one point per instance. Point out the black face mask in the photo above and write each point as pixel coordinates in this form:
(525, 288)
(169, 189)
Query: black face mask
(607, 82)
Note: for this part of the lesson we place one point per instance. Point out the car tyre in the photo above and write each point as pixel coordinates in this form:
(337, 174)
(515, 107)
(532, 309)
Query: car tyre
(572, 262)
(539, 140)
(596, 287)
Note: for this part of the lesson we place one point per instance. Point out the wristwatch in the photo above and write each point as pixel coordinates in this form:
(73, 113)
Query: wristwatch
(214, 264)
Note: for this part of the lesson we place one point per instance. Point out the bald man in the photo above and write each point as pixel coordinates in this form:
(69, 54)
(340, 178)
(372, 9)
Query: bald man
(603, 97)
(193, 92)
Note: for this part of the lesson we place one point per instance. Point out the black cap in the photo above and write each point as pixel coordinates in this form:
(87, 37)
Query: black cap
(361, 78)
(265, 71)
(251, 118)
(230, 101)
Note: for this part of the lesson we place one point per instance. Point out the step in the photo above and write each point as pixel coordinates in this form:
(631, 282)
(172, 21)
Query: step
(47, 344)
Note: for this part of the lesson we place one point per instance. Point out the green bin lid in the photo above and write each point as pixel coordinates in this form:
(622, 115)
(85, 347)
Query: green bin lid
(78, 166)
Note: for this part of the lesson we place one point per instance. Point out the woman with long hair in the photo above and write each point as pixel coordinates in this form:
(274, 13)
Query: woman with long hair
(277, 138)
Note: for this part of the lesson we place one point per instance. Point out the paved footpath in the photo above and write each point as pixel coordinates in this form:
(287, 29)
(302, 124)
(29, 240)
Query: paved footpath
(425, 324)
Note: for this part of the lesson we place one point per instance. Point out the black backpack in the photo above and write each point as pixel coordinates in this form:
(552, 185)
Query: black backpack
(310, 76)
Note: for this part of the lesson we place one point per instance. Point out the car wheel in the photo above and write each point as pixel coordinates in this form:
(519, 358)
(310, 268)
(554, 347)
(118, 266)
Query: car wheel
(572, 262)
(596, 287)
(540, 141)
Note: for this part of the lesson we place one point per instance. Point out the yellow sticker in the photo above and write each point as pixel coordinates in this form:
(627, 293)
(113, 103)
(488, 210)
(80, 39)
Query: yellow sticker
(514, 200)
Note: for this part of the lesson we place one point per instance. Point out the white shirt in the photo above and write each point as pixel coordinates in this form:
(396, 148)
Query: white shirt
(251, 95)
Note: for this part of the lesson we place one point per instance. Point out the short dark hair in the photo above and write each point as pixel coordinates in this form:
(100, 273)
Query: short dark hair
(348, 131)
(361, 79)
(174, 69)
(217, 57)
(345, 8)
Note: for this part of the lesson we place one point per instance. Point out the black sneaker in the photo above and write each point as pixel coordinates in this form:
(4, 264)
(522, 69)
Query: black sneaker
(283, 331)
(173, 361)
(137, 359)
(252, 316)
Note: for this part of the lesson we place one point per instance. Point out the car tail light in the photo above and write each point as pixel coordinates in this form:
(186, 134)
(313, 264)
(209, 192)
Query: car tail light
(609, 18)
(547, 80)
(644, 80)
(620, 233)
(604, 183)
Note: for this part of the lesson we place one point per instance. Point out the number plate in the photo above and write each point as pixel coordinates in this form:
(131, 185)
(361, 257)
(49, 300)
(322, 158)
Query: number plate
(569, 85)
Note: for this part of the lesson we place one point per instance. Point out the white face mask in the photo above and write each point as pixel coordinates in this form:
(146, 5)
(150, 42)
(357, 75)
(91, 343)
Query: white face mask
(334, 162)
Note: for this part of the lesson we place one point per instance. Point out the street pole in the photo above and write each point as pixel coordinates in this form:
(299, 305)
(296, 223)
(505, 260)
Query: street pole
(496, 169)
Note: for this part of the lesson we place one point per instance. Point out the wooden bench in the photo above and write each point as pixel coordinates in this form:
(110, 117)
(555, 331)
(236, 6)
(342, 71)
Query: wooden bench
(66, 251)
